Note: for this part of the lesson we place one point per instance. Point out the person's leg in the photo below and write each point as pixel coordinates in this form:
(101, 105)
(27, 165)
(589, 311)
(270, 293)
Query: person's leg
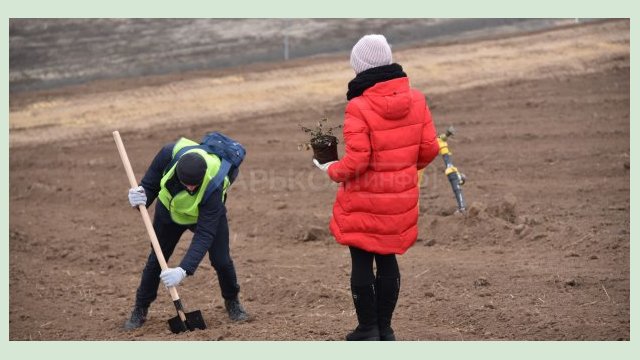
(168, 234)
(221, 260)
(387, 291)
(364, 296)
(361, 267)
(387, 265)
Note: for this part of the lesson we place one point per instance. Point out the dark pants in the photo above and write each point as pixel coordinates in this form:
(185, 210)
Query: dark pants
(362, 266)
(168, 233)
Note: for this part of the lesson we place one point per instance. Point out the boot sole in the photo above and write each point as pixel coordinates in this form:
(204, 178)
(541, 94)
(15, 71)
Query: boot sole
(372, 338)
(130, 327)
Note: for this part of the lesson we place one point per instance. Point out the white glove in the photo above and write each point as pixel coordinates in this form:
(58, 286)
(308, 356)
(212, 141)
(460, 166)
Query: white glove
(137, 196)
(173, 276)
(324, 167)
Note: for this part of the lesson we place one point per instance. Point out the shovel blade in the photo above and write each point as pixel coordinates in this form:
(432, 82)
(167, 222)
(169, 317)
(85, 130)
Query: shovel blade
(194, 321)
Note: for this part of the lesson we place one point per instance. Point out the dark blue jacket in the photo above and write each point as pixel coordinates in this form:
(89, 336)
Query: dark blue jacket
(210, 211)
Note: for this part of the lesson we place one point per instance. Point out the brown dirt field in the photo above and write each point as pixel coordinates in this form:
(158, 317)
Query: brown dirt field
(543, 137)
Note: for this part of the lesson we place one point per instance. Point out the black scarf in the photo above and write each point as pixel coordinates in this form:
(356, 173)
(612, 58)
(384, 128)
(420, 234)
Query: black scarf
(370, 77)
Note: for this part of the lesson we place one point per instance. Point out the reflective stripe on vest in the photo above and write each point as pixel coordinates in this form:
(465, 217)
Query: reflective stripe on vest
(184, 208)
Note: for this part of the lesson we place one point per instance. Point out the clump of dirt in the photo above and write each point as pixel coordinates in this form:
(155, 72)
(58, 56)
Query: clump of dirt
(314, 233)
(481, 222)
(506, 209)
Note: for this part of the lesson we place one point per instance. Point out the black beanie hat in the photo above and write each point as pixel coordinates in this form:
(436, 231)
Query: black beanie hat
(191, 169)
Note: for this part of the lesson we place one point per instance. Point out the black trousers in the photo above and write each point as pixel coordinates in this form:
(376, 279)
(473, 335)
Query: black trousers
(169, 233)
(362, 266)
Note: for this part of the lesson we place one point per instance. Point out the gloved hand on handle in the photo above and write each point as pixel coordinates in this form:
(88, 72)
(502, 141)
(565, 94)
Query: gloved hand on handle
(324, 167)
(173, 276)
(137, 196)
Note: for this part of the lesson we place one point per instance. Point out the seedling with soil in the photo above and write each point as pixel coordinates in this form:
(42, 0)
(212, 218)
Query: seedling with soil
(322, 141)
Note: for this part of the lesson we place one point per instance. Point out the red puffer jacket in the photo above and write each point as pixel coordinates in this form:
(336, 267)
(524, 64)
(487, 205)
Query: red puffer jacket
(389, 135)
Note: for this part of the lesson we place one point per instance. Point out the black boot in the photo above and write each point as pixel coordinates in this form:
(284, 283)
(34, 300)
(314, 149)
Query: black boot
(387, 289)
(364, 300)
(235, 310)
(138, 317)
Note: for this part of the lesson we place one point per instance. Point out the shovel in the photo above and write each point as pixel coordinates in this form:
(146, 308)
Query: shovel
(184, 321)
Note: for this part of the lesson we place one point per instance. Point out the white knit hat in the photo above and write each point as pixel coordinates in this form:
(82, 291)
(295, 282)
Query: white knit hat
(369, 52)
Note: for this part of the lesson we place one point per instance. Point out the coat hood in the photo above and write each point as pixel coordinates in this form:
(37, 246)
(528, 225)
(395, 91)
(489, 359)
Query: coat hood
(390, 99)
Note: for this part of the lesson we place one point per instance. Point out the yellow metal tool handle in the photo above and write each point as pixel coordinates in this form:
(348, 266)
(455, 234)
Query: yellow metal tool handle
(444, 147)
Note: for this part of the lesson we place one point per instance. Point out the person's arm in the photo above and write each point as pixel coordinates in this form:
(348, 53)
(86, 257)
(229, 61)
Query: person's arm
(151, 180)
(429, 145)
(357, 148)
(210, 213)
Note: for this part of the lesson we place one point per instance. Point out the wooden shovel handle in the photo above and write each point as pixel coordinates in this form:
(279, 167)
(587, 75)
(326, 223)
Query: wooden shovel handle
(143, 211)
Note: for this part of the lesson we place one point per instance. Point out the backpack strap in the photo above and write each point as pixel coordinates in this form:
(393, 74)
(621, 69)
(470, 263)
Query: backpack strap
(217, 180)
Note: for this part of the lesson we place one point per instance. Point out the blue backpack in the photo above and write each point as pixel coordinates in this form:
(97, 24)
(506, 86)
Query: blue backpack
(230, 152)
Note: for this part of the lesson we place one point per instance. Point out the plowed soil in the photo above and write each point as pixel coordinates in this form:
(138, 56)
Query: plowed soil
(543, 253)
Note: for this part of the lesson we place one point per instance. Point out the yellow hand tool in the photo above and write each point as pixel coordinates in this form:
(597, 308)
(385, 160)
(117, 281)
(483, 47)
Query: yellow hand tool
(456, 178)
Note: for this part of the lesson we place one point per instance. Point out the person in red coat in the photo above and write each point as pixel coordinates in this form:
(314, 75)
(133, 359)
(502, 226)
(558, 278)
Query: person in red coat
(388, 136)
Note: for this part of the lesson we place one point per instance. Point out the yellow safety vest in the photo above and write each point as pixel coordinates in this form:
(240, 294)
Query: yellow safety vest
(184, 208)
